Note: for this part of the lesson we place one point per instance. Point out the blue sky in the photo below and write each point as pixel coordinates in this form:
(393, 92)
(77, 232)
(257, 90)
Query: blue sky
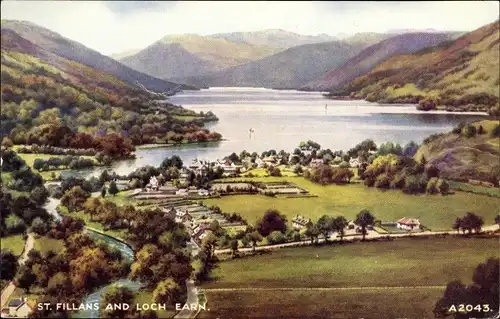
(117, 26)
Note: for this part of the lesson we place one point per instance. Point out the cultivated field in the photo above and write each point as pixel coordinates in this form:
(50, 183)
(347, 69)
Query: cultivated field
(427, 263)
(434, 211)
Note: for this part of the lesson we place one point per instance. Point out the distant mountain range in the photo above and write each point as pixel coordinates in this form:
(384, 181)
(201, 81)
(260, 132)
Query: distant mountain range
(375, 54)
(49, 41)
(178, 56)
(461, 74)
(288, 69)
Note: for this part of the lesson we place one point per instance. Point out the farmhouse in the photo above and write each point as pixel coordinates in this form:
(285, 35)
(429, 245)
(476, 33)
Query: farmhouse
(408, 223)
(18, 308)
(354, 162)
(299, 222)
(153, 184)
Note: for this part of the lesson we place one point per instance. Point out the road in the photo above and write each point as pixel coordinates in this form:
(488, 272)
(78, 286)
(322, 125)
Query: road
(192, 290)
(370, 235)
(9, 290)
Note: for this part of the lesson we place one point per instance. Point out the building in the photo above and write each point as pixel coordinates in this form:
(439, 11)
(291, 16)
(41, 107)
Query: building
(203, 192)
(299, 222)
(17, 308)
(316, 162)
(153, 184)
(354, 162)
(408, 223)
(200, 231)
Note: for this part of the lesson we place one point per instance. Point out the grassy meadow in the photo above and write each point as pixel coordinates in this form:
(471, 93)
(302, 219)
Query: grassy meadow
(435, 211)
(45, 244)
(401, 263)
(15, 243)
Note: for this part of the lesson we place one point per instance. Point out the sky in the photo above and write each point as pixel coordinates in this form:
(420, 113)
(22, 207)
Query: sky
(118, 26)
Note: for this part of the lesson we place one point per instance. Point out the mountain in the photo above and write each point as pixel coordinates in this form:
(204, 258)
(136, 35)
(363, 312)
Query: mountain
(47, 99)
(461, 157)
(462, 74)
(366, 38)
(120, 55)
(178, 56)
(276, 38)
(375, 54)
(66, 48)
(288, 69)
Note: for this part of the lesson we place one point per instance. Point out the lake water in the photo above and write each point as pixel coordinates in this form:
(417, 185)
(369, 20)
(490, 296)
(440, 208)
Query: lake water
(282, 119)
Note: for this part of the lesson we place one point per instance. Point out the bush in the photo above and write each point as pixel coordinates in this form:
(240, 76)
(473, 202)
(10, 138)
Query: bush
(432, 186)
(276, 237)
(470, 131)
(383, 181)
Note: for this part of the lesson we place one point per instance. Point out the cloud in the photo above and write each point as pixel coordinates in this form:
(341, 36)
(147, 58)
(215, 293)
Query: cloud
(111, 27)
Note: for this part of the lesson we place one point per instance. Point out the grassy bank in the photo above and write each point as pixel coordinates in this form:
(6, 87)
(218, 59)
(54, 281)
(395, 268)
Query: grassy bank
(435, 211)
(15, 243)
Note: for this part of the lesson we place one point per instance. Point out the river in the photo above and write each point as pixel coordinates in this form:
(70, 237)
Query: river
(127, 254)
(280, 119)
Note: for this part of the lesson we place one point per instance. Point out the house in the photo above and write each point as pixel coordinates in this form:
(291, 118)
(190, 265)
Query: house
(19, 308)
(259, 162)
(153, 184)
(182, 192)
(200, 231)
(299, 222)
(316, 162)
(408, 223)
(203, 192)
(170, 213)
(354, 162)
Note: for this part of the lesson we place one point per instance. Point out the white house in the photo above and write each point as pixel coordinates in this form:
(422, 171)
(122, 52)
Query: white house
(299, 222)
(316, 162)
(408, 223)
(354, 162)
(19, 308)
(153, 184)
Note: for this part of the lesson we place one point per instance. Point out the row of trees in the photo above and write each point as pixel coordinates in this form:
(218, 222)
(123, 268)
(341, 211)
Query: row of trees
(325, 175)
(68, 161)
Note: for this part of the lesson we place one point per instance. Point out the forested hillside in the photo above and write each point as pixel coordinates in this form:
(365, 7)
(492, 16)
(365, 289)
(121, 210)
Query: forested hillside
(458, 75)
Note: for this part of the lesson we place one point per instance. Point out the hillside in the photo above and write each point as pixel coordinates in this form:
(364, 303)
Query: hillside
(461, 157)
(457, 75)
(276, 38)
(288, 69)
(47, 103)
(373, 55)
(178, 56)
(66, 48)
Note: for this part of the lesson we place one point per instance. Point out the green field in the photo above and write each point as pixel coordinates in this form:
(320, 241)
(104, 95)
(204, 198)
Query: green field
(412, 304)
(400, 263)
(466, 187)
(47, 175)
(15, 243)
(45, 244)
(434, 211)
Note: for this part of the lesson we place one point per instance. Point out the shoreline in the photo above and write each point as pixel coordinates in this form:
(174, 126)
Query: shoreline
(168, 145)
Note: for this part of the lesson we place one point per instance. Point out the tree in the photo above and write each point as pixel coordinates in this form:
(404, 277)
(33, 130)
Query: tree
(410, 149)
(91, 206)
(39, 227)
(25, 278)
(39, 194)
(167, 291)
(234, 246)
(7, 142)
(325, 225)
(470, 130)
(364, 219)
(9, 265)
(483, 291)
(254, 237)
(59, 284)
(118, 295)
(75, 198)
(276, 237)
(103, 191)
(312, 231)
(271, 221)
(457, 225)
(113, 189)
(471, 222)
(443, 186)
(339, 225)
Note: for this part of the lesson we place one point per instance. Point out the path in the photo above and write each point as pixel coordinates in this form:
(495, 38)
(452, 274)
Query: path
(319, 288)
(9, 290)
(192, 290)
(370, 235)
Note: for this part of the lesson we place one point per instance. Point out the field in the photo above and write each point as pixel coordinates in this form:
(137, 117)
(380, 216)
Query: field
(404, 262)
(262, 172)
(93, 224)
(14, 243)
(45, 244)
(435, 211)
(47, 175)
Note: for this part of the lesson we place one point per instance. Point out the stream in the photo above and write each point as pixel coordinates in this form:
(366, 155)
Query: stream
(126, 251)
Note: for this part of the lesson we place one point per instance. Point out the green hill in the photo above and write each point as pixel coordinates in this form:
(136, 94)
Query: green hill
(461, 75)
(47, 98)
(465, 156)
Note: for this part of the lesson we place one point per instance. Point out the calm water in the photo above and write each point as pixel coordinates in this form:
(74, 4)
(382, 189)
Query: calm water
(281, 119)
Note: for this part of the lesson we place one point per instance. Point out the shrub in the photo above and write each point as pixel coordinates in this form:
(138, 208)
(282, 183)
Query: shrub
(383, 181)
(432, 186)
